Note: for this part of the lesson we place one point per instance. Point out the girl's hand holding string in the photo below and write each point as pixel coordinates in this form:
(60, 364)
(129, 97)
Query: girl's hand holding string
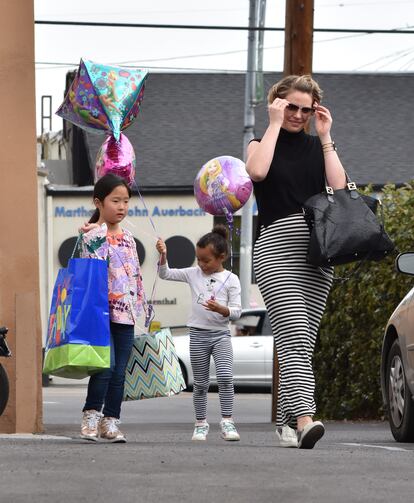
(162, 250)
(86, 227)
(212, 305)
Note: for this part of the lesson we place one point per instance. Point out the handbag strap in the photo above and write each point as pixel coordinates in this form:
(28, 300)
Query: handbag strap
(342, 279)
(349, 183)
(351, 187)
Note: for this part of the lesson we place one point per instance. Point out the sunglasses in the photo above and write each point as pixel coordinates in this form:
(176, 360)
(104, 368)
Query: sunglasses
(305, 110)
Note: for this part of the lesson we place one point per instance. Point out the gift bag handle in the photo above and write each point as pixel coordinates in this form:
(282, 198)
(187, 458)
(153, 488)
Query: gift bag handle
(76, 244)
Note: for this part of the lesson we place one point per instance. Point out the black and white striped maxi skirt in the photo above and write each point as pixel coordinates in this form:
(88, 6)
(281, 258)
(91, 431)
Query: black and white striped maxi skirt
(295, 295)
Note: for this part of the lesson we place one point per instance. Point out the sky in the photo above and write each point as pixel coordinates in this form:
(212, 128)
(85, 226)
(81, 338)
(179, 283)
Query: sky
(59, 48)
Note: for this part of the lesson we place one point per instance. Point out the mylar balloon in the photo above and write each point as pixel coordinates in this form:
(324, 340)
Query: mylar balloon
(116, 157)
(104, 98)
(222, 186)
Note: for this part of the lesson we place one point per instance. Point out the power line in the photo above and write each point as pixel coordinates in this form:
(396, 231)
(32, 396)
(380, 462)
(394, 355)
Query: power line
(56, 65)
(406, 53)
(225, 53)
(353, 4)
(400, 53)
(214, 27)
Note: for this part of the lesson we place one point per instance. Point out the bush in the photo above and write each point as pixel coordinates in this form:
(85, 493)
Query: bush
(348, 352)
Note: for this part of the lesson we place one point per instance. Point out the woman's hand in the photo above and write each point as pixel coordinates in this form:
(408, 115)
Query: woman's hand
(323, 122)
(212, 305)
(276, 111)
(86, 227)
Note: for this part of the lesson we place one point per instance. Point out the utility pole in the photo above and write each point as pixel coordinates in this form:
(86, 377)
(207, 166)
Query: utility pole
(298, 37)
(253, 87)
(298, 61)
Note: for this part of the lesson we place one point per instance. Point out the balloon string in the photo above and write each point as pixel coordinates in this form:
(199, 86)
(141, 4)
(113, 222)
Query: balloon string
(214, 296)
(134, 184)
(141, 231)
(231, 246)
(150, 314)
(230, 222)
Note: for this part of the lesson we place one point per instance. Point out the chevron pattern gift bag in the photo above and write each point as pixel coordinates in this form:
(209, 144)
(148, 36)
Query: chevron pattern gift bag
(153, 368)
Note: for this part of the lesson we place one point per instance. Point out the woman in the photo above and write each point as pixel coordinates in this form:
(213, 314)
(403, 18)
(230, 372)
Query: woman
(288, 166)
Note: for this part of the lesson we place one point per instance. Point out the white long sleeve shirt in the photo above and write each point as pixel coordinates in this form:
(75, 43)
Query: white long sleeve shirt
(224, 286)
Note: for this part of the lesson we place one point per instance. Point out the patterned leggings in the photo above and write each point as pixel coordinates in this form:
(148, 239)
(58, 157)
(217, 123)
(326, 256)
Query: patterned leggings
(203, 344)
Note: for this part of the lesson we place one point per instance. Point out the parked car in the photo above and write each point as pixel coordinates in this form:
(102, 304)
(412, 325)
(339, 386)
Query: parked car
(397, 361)
(252, 340)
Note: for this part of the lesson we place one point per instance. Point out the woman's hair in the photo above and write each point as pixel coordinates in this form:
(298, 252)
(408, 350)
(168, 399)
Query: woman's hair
(103, 187)
(217, 238)
(303, 83)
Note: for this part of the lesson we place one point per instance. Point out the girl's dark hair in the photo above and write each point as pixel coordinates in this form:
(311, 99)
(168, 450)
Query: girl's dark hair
(217, 238)
(103, 187)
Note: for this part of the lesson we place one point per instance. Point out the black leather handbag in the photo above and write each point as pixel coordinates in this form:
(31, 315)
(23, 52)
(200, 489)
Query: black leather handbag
(344, 228)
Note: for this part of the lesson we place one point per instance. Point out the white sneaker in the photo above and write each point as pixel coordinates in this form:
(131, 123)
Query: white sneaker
(200, 431)
(310, 434)
(228, 430)
(287, 436)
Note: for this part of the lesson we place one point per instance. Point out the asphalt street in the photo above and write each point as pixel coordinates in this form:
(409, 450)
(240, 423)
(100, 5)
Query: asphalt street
(354, 462)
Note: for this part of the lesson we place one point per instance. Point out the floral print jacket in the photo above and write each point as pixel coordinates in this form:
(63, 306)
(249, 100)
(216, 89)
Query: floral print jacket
(126, 293)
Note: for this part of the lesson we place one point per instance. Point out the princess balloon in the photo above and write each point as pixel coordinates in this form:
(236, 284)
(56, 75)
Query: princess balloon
(222, 186)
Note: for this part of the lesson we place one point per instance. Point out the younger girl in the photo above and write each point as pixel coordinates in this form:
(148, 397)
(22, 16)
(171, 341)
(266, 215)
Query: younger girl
(104, 239)
(215, 300)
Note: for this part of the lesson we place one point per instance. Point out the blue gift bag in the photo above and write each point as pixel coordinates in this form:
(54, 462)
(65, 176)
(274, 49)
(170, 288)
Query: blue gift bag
(78, 338)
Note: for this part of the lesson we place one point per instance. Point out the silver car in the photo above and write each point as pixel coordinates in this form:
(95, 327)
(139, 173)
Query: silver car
(252, 342)
(397, 361)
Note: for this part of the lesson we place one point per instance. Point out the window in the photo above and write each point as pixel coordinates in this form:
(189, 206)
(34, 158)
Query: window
(181, 252)
(246, 325)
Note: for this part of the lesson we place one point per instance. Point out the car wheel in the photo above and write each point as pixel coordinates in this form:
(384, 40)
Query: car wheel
(399, 399)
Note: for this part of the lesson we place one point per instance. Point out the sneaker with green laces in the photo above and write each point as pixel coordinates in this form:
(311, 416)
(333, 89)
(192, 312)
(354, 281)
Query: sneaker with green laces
(228, 430)
(200, 431)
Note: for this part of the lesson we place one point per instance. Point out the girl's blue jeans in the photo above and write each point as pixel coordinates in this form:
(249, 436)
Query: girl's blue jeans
(106, 388)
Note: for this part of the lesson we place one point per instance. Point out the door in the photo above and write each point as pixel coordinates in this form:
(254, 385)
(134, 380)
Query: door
(249, 350)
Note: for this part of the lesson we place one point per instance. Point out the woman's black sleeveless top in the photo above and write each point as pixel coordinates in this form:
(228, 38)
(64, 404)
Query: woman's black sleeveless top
(296, 173)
